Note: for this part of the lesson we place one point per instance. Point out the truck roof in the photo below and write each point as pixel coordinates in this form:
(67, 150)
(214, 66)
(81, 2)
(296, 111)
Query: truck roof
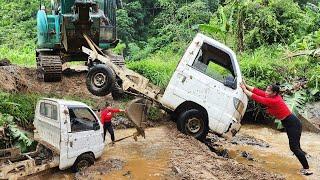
(65, 102)
(215, 42)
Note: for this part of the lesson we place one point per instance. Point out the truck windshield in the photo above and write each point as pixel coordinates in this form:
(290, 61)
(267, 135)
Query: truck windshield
(214, 62)
(81, 119)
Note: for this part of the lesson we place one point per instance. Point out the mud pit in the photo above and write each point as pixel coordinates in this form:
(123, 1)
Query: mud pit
(168, 154)
(277, 158)
(164, 154)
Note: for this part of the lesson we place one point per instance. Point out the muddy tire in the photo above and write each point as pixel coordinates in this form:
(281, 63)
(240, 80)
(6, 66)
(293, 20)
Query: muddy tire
(100, 80)
(194, 123)
(83, 162)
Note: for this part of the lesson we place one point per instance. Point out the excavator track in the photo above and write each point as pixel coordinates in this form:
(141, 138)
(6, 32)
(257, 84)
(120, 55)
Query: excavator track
(49, 68)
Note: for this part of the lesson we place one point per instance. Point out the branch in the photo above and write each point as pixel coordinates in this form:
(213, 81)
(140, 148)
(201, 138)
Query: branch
(314, 53)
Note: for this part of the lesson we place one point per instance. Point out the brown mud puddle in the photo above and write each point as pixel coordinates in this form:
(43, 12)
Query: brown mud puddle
(277, 158)
(167, 154)
(145, 159)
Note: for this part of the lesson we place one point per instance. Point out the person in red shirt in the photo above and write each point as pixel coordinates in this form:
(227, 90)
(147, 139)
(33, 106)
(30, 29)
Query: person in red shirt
(106, 117)
(276, 107)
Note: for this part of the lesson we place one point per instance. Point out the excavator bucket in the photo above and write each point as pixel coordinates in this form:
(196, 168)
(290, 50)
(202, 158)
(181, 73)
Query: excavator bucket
(136, 111)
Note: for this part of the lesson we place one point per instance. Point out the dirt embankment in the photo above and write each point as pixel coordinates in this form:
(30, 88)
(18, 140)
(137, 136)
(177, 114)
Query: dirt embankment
(21, 79)
(15, 79)
(192, 159)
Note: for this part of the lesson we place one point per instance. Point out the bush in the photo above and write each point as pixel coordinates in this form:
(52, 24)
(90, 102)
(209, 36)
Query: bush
(158, 67)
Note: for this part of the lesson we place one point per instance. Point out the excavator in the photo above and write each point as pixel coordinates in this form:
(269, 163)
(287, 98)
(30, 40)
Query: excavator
(64, 27)
(60, 28)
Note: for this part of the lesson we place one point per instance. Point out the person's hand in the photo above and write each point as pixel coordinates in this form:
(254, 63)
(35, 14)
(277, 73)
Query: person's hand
(243, 86)
(244, 82)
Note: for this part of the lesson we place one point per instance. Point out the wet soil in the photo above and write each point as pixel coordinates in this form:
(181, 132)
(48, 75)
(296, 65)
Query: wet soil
(100, 168)
(277, 157)
(163, 154)
(24, 80)
(255, 153)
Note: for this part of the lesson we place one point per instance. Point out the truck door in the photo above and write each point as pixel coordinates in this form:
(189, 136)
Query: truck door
(214, 69)
(47, 124)
(85, 134)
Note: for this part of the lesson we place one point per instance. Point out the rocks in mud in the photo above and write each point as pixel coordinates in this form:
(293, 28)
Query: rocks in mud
(176, 170)
(5, 62)
(249, 140)
(120, 122)
(247, 155)
(128, 174)
(100, 168)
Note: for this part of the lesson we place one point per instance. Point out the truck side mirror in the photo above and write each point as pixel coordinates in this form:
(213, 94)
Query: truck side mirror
(96, 126)
(230, 82)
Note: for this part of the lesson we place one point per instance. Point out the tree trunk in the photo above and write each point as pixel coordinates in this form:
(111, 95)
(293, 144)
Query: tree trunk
(240, 31)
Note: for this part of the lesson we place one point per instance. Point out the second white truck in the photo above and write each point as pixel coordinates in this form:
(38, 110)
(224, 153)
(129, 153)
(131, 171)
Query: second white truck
(69, 135)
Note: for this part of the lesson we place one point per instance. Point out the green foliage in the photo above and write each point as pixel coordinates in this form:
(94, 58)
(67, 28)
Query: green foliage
(308, 42)
(20, 106)
(154, 113)
(296, 101)
(19, 138)
(219, 25)
(265, 66)
(24, 56)
(18, 31)
(158, 68)
(257, 23)
(277, 21)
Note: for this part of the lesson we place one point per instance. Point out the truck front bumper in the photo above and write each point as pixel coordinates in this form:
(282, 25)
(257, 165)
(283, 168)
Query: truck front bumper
(233, 130)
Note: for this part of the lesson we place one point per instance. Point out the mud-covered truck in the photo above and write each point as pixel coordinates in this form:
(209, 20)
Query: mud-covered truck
(69, 134)
(203, 93)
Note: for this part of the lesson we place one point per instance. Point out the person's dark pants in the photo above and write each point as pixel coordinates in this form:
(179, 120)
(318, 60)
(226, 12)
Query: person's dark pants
(294, 128)
(108, 126)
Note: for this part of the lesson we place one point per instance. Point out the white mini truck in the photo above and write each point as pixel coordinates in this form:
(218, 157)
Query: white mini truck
(203, 93)
(69, 134)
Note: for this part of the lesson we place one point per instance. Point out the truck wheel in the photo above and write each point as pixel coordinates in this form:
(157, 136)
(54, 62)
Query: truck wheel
(100, 80)
(83, 162)
(194, 123)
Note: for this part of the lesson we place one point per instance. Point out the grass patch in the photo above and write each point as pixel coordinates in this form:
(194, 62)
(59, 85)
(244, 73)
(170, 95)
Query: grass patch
(158, 67)
(23, 57)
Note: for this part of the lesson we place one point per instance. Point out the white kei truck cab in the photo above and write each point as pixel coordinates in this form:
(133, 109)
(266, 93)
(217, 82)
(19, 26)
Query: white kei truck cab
(203, 93)
(69, 134)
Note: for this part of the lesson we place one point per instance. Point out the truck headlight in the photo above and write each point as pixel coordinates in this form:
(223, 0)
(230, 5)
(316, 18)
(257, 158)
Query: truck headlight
(238, 105)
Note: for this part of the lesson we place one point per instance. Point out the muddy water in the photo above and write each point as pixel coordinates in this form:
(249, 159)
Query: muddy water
(146, 159)
(149, 158)
(278, 158)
